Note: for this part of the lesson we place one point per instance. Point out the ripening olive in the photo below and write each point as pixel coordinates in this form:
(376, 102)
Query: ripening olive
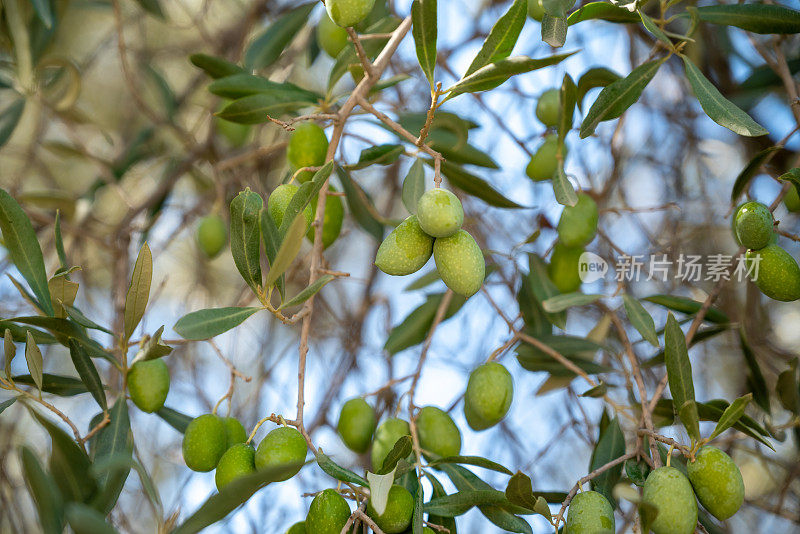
(212, 234)
(754, 225)
(438, 433)
(148, 384)
(297, 528)
(590, 513)
(204, 442)
(548, 107)
(331, 37)
(348, 13)
(279, 200)
(331, 222)
(282, 446)
(386, 436)
(535, 10)
(717, 482)
(564, 267)
(670, 492)
(396, 517)
(406, 250)
(308, 147)
(234, 431)
(460, 263)
(578, 224)
(544, 162)
(777, 274)
(792, 200)
(327, 514)
(440, 213)
(356, 424)
(237, 461)
(487, 399)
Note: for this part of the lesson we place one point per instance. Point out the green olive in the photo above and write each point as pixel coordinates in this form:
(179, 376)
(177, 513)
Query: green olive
(460, 263)
(438, 433)
(487, 399)
(578, 224)
(332, 222)
(406, 250)
(440, 213)
(212, 234)
(544, 162)
(204, 442)
(279, 200)
(297, 528)
(396, 517)
(668, 490)
(237, 461)
(308, 146)
(328, 513)
(792, 200)
(148, 384)
(590, 513)
(331, 37)
(356, 424)
(548, 107)
(564, 267)
(234, 431)
(282, 446)
(717, 482)
(348, 13)
(386, 436)
(535, 10)
(776, 274)
(754, 225)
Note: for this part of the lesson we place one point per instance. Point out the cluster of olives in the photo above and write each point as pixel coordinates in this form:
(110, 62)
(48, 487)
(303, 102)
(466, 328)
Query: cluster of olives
(544, 162)
(435, 231)
(214, 442)
(576, 229)
(713, 479)
(778, 275)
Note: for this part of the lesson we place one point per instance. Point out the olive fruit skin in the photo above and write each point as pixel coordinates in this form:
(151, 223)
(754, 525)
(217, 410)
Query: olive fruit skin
(490, 390)
(357, 422)
(283, 445)
(544, 163)
(348, 13)
(386, 436)
(406, 250)
(397, 516)
(234, 431)
(279, 200)
(564, 267)
(297, 528)
(778, 273)
(148, 384)
(237, 461)
(754, 225)
(460, 263)
(792, 200)
(437, 432)
(331, 222)
(204, 443)
(548, 107)
(330, 37)
(212, 234)
(535, 10)
(440, 213)
(578, 224)
(590, 513)
(717, 482)
(308, 147)
(669, 490)
(327, 514)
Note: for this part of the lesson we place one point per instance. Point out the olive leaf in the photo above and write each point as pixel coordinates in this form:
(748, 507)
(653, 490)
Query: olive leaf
(640, 319)
(679, 374)
(88, 373)
(424, 15)
(152, 348)
(379, 486)
(267, 47)
(216, 67)
(413, 186)
(502, 37)
(288, 250)
(245, 236)
(46, 496)
(34, 358)
(205, 324)
(731, 415)
(139, 290)
(9, 351)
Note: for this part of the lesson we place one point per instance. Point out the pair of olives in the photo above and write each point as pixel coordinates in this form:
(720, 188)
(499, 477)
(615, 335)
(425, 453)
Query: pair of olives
(544, 162)
(577, 227)
(213, 442)
(712, 477)
(777, 274)
(435, 230)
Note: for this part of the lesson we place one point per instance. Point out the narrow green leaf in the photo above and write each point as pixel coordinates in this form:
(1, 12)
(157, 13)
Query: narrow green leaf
(216, 67)
(289, 249)
(595, 77)
(245, 237)
(9, 351)
(7, 403)
(601, 11)
(563, 302)
(304, 195)
(502, 38)
(717, 107)
(114, 440)
(755, 18)
(568, 96)
(731, 415)
(76, 315)
(338, 472)
(257, 108)
(653, 28)
(688, 306)
(477, 461)
(308, 292)
(557, 8)
(755, 378)
(424, 17)
(33, 356)
(637, 471)
(240, 85)
(438, 491)
(175, 419)
(401, 450)
(63, 386)
(205, 324)
(416, 517)
(267, 47)
(679, 373)
(562, 188)
(610, 446)
(360, 206)
(792, 176)
(413, 329)
(48, 500)
(377, 155)
(43, 11)
(23, 248)
(618, 96)
(474, 185)
(461, 502)
(554, 30)
(498, 72)
(152, 6)
(62, 255)
(750, 170)
(640, 319)
(88, 373)
(9, 119)
(413, 186)
(86, 520)
(139, 290)
(543, 288)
